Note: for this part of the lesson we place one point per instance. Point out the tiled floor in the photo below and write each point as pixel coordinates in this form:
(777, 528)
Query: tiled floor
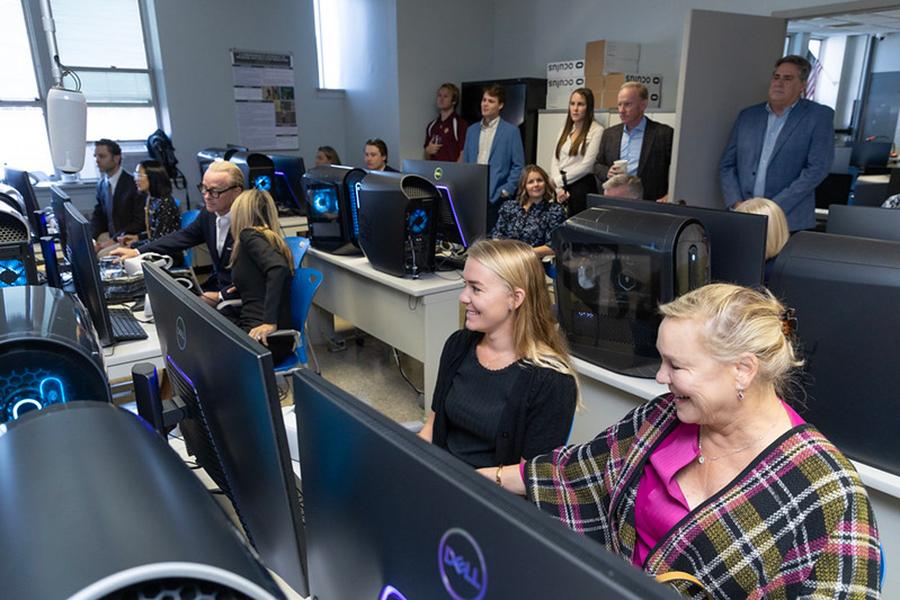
(369, 371)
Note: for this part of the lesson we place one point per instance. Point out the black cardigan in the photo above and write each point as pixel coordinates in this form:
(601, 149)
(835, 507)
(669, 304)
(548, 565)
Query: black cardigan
(537, 417)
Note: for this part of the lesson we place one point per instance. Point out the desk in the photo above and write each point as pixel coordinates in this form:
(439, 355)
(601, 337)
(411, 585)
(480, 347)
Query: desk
(119, 358)
(416, 316)
(609, 396)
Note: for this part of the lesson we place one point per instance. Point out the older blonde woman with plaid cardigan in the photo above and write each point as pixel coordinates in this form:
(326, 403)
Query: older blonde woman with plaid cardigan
(719, 479)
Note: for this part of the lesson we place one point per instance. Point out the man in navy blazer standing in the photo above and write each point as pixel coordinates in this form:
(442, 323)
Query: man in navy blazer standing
(781, 149)
(496, 143)
(223, 182)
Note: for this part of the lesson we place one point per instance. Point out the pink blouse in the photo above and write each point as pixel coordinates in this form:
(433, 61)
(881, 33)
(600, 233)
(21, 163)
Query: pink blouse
(660, 504)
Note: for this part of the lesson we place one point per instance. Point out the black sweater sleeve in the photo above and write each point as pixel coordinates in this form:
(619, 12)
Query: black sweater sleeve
(272, 265)
(550, 413)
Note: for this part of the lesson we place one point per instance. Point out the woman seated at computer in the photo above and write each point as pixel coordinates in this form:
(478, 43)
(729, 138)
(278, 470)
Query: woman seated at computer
(505, 389)
(576, 152)
(261, 269)
(161, 214)
(533, 214)
(719, 478)
(326, 155)
(777, 233)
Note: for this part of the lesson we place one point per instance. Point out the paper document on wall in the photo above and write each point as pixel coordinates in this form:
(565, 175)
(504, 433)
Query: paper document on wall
(264, 99)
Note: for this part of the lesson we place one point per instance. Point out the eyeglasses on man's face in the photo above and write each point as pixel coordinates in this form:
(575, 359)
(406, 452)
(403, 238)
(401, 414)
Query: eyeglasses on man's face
(213, 193)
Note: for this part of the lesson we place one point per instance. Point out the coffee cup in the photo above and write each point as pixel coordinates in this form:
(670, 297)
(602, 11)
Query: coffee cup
(621, 165)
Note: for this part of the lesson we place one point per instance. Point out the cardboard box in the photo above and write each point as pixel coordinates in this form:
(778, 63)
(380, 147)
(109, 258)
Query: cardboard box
(606, 88)
(653, 82)
(602, 57)
(563, 77)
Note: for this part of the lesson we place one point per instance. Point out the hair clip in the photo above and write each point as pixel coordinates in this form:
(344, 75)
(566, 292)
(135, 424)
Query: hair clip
(788, 322)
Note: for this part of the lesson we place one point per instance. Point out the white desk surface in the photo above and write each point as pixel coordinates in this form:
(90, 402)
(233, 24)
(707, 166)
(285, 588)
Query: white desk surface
(873, 179)
(427, 284)
(119, 358)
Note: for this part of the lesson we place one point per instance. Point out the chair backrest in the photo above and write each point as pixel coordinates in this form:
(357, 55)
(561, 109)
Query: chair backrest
(304, 285)
(298, 246)
(188, 217)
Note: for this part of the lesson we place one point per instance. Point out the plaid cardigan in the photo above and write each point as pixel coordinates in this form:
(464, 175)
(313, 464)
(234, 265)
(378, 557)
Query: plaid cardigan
(796, 523)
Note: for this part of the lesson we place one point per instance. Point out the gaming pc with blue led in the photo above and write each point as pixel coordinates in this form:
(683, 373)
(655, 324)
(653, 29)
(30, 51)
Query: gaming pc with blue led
(397, 222)
(614, 267)
(330, 193)
(50, 353)
(17, 265)
(462, 211)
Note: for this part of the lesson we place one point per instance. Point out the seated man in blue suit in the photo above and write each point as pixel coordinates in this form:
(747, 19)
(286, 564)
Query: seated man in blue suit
(781, 149)
(496, 143)
(222, 183)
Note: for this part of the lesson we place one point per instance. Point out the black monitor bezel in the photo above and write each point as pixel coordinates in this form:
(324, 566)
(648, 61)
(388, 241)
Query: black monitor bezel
(21, 180)
(872, 222)
(171, 302)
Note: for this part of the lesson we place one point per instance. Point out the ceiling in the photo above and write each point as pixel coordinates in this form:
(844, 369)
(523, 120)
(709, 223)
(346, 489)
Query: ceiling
(885, 21)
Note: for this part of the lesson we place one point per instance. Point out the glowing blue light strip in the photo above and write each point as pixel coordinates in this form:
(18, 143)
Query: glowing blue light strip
(391, 593)
(354, 208)
(62, 390)
(25, 401)
(455, 216)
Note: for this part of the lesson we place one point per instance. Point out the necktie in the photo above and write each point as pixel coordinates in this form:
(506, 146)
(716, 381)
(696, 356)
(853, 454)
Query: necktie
(109, 208)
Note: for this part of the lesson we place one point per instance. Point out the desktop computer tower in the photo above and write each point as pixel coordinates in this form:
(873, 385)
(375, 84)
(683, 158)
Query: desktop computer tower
(331, 208)
(397, 222)
(614, 267)
(98, 506)
(50, 353)
(17, 266)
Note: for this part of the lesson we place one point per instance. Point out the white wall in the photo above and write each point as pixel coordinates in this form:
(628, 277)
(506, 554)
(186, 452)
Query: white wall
(195, 38)
(887, 58)
(427, 59)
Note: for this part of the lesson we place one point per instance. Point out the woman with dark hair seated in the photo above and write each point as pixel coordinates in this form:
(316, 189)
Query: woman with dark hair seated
(506, 389)
(261, 269)
(719, 479)
(161, 213)
(533, 214)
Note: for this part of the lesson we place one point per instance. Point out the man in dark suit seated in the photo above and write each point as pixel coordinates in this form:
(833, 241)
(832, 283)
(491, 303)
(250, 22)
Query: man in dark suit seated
(222, 183)
(781, 149)
(120, 208)
(645, 144)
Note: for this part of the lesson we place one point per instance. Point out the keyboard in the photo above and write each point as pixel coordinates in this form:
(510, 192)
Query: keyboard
(125, 326)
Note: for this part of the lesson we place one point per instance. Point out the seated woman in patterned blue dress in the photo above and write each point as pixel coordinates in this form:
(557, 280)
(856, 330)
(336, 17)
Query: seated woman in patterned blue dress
(161, 214)
(533, 214)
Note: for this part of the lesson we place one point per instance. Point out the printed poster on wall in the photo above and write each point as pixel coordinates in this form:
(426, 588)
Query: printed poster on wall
(264, 100)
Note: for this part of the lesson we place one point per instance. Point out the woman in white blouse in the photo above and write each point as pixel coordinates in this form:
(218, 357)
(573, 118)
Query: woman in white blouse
(576, 152)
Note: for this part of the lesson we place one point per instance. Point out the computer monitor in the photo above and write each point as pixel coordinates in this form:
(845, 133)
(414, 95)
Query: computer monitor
(870, 154)
(58, 201)
(391, 516)
(865, 221)
(22, 182)
(737, 240)
(834, 189)
(86, 272)
(288, 191)
(845, 290)
(235, 427)
(462, 212)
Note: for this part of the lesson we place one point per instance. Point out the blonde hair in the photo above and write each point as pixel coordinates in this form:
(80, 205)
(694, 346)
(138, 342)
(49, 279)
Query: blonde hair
(737, 320)
(255, 209)
(234, 172)
(535, 333)
(777, 233)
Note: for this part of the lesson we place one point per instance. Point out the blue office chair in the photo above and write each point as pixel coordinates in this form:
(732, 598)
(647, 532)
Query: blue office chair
(188, 217)
(303, 288)
(298, 246)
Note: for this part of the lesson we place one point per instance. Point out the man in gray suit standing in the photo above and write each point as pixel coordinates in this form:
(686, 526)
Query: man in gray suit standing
(781, 149)
(645, 144)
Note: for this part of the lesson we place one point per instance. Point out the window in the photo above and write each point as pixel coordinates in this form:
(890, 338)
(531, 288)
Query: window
(328, 43)
(114, 73)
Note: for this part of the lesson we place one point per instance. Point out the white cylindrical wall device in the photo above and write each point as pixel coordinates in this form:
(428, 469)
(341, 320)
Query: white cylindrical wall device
(67, 124)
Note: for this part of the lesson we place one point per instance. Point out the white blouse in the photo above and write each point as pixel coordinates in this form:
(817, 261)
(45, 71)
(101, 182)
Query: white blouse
(579, 165)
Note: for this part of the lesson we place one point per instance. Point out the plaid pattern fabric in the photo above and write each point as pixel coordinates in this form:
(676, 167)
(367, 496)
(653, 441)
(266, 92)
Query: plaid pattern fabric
(795, 524)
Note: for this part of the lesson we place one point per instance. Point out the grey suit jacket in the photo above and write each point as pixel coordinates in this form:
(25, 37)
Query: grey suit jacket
(656, 156)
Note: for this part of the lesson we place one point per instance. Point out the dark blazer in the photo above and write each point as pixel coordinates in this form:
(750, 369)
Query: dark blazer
(656, 155)
(390, 169)
(127, 209)
(800, 160)
(538, 415)
(202, 230)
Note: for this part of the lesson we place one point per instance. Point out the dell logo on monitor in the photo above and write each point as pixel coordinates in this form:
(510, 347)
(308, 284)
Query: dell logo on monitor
(180, 333)
(461, 565)
(438, 173)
